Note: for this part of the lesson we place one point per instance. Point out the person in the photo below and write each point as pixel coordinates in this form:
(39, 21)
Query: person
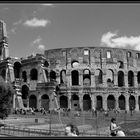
(70, 130)
(113, 127)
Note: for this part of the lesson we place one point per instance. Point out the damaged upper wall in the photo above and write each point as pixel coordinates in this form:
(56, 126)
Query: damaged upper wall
(85, 56)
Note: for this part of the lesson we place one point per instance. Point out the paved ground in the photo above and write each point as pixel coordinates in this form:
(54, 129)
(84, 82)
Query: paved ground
(86, 122)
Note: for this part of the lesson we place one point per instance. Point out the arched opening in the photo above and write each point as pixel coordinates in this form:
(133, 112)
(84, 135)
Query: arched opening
(111, 102)
(138, 77)
(46, 74)
(75, 102)
(46, 64)
(17, 67)
(45, 101)
(52, 75)
(25, 93)
(63, 101)
(99, 103)
(130, 79)
(86, 102)
(32, 101)
(110, 77)
(121, 102)
(63, 77)
(120, 79)
(86, 77)
(75, 77)
(74, 64)
(3, 74)
(120, 64)
(139, 102)
(98, 77)
(34, 74)
(132, 102)
(24, 76)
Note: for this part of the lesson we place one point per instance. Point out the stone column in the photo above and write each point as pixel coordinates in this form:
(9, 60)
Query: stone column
(135, 80)
(105, 102)
(81, 102)
(93, 100)
(14, 101)
(69, 99)
(104, 79)
(116, 79)
(127, 102)
(38, 101)
(92, 78)
(117, 104)
(68, 76)
(80, 77)
(137, 103)
(126, 80)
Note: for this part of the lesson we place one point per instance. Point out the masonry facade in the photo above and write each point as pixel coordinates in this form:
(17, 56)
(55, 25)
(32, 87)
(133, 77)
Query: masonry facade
(83, 77)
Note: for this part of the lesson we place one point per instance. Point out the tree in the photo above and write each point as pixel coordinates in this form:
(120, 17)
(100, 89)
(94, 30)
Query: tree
(6, 94)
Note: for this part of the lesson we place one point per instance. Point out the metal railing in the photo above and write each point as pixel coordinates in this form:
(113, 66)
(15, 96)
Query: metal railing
(28, 132)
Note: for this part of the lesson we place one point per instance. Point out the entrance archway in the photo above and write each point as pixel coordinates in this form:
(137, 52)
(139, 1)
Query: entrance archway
(121, 102)
(111, 102)
(45, 101)
(63, 101)
(132, 102)
(99, 103)
(32, 101)
(86, 102)
(75, 102)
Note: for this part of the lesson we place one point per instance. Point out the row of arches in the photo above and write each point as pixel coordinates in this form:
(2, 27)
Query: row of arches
(87, 102)
(99, 77)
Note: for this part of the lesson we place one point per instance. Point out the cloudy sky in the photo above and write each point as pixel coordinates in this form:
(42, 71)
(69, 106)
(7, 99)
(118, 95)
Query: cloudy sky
(33, 28)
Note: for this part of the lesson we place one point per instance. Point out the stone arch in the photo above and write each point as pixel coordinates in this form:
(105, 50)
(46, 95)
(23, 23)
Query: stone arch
(110, 76)
(63, 101)
(75, 77)
(34, 74)
(111, 102)
(86, 77)
(45, 101)
(138, 77)
(120, 78)
(139, 101)
(121, 101)
(74, 64)
(132, 102)
(130, 78)
(86, 102)
(99, 102)
(17, 68)
(75, 102)
(98, 76)
(24, 76)
(52, 75)
(33, 101)
(25, 94)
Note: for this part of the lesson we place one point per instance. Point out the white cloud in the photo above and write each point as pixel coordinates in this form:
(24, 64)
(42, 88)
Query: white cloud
(38, 43)
(112, 40)
(41, 47)
(36, 22)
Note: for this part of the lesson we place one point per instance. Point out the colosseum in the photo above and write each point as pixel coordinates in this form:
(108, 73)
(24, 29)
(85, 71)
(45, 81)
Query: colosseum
(84, 78)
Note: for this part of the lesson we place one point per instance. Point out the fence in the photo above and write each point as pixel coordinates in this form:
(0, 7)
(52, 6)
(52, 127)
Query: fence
(28, 132)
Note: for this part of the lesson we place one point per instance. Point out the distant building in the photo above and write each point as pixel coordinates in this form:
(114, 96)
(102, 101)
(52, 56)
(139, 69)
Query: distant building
(84, 77)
